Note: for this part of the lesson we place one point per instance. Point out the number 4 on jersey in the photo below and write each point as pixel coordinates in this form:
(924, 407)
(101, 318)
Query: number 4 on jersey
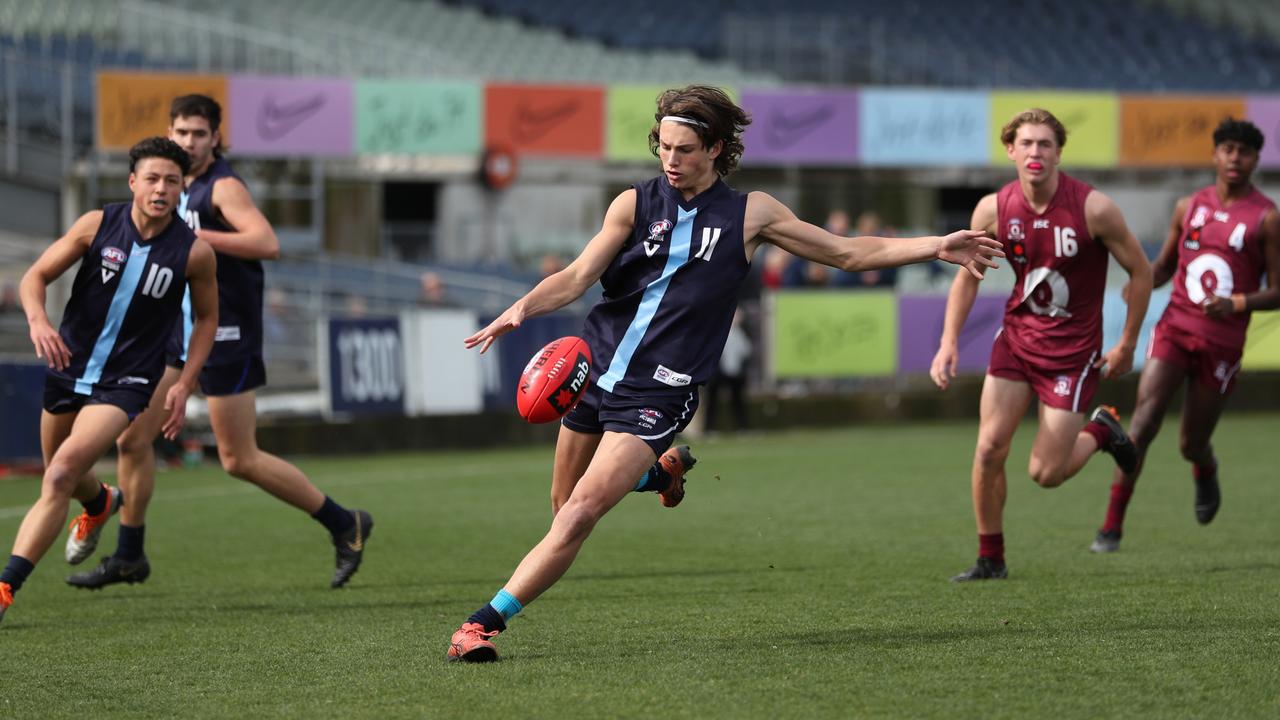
(710, 236)
(1236, 241)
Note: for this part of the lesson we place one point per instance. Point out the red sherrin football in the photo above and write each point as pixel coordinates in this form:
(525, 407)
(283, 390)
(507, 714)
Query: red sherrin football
(554, 379)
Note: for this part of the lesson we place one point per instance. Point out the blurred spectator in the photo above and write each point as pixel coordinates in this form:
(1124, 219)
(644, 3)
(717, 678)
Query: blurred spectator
(433, 293)
(550, 264)
(776, 261)
(355, 306)
(9, 302)
(274, 329)
(732, 375)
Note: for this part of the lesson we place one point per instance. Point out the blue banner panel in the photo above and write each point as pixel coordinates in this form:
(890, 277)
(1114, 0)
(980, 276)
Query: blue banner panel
(366, 367)
(910, 128)
(21, 394)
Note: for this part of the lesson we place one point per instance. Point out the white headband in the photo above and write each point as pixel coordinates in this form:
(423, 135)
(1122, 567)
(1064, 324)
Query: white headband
(685, 120)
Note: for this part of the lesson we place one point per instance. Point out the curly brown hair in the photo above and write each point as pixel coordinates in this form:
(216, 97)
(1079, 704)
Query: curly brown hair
(1034, 116)
(724, 121)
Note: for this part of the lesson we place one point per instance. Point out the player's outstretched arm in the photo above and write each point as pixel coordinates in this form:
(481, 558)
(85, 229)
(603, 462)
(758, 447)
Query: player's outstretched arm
(202, 280)
(1267, 298)
(253, 237)
(569, 284)
(959, 302)
(771, 221)
(55, 260)
(1107, 223)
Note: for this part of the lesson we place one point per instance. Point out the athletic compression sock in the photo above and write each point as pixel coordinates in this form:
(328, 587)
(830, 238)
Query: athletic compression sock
(335, 518)
(16, 572)
(655, 480)
(1202, 473)
(1115, 510)
(991, 546)
(98, 503)
(495, 615)
(1099, 433)
(129, 542)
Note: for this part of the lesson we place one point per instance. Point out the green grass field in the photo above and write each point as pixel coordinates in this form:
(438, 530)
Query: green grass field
(805, 575)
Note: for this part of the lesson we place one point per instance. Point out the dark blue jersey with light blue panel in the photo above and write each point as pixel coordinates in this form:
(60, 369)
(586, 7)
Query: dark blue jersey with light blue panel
(240, 281)
(670, 294)
(124, 302)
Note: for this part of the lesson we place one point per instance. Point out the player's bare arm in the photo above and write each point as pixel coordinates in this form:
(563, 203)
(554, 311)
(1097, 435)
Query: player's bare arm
(1107, 224)
(253, 238)
(770, 221)
(1267, 298)
(53, 262)
(202, 281)
(569, 284)
(960, 301)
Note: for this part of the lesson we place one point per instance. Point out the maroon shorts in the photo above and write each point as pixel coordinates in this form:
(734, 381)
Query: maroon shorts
(1069, 388)
(1214, 366)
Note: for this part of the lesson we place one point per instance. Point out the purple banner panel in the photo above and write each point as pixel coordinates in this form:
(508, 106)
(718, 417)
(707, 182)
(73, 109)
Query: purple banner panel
(291, 116)
(1264, 111)
(801, 128)
(920, 328)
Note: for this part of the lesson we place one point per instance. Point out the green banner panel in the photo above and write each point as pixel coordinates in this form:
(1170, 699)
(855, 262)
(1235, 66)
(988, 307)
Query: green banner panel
(418, 118)
(1092, 121)
(829, 333)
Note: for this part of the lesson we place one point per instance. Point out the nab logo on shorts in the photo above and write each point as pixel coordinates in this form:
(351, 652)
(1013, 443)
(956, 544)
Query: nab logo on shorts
(112, 259)
(656, 232)
(1062, 385)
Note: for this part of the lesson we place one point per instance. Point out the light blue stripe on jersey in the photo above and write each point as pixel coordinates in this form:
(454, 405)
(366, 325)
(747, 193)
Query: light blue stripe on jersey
(681, 239)
(106, 341)
(187, 325)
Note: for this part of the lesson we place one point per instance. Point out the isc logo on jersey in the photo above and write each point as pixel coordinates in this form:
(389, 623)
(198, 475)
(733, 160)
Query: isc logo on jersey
(112, 259)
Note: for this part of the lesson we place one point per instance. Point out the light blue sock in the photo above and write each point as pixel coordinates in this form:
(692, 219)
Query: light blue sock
(506, 604)
(653, 481)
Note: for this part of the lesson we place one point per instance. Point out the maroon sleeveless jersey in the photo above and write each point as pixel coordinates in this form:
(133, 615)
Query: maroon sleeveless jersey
(1220, 254)
(1054, 315)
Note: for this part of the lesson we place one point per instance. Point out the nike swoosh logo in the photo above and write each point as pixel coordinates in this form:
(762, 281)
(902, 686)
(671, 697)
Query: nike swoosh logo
(785, 130)
(530, 123)
(275, 120)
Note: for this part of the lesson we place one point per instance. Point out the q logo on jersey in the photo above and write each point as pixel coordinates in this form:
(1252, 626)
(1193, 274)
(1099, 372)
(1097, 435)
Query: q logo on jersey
(656, 231)
(112, 259)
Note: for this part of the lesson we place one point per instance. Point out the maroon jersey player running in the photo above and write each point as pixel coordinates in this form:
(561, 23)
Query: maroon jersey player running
(1058, 233)
(1221, 241)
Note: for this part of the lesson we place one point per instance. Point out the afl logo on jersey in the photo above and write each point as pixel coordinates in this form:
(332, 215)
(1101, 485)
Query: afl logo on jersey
(112, 259)
(656, 231)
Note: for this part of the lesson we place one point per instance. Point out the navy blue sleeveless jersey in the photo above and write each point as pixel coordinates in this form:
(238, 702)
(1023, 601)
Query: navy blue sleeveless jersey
(239, 334)
(670, 293)
(124, 302)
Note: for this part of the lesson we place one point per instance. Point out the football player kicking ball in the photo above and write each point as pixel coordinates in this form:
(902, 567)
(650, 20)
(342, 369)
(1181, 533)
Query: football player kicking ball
(1060, 234)
(1221, 241)
(671, 255)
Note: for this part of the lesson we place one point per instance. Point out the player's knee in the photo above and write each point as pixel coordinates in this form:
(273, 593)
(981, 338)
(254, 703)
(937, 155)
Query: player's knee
(236, 465)
(132, 445)
(60, 479)
(575, 520)
(1045, 475)
(991, 453)
(1192, 449)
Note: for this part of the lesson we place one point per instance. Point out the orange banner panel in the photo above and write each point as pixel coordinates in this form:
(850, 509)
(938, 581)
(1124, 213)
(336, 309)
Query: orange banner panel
(545, 119)
(135, 105)
(1178, 131)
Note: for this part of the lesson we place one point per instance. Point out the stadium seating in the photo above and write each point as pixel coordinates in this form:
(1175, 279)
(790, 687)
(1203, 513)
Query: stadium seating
(1128, 45)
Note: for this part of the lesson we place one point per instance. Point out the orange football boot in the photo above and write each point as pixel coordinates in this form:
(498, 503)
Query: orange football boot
(471, 644)
(676, 462)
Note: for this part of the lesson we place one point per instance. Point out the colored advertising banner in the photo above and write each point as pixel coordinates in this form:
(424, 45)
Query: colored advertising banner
(412, 117)
(920, 329)
(1262, 346)
(630, 110)
(924, 128)
(790, 127)
(1091, 119)
(135, 105)
(1264, 111)
(277, 116)
(1178, 131)
(545, 119)
(1114, 313)
(364, 367)
(828, 333)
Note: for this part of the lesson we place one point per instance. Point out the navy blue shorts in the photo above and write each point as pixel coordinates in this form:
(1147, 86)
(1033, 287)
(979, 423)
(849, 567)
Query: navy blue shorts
(233, 378)
(60, 397)
(654, 419)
